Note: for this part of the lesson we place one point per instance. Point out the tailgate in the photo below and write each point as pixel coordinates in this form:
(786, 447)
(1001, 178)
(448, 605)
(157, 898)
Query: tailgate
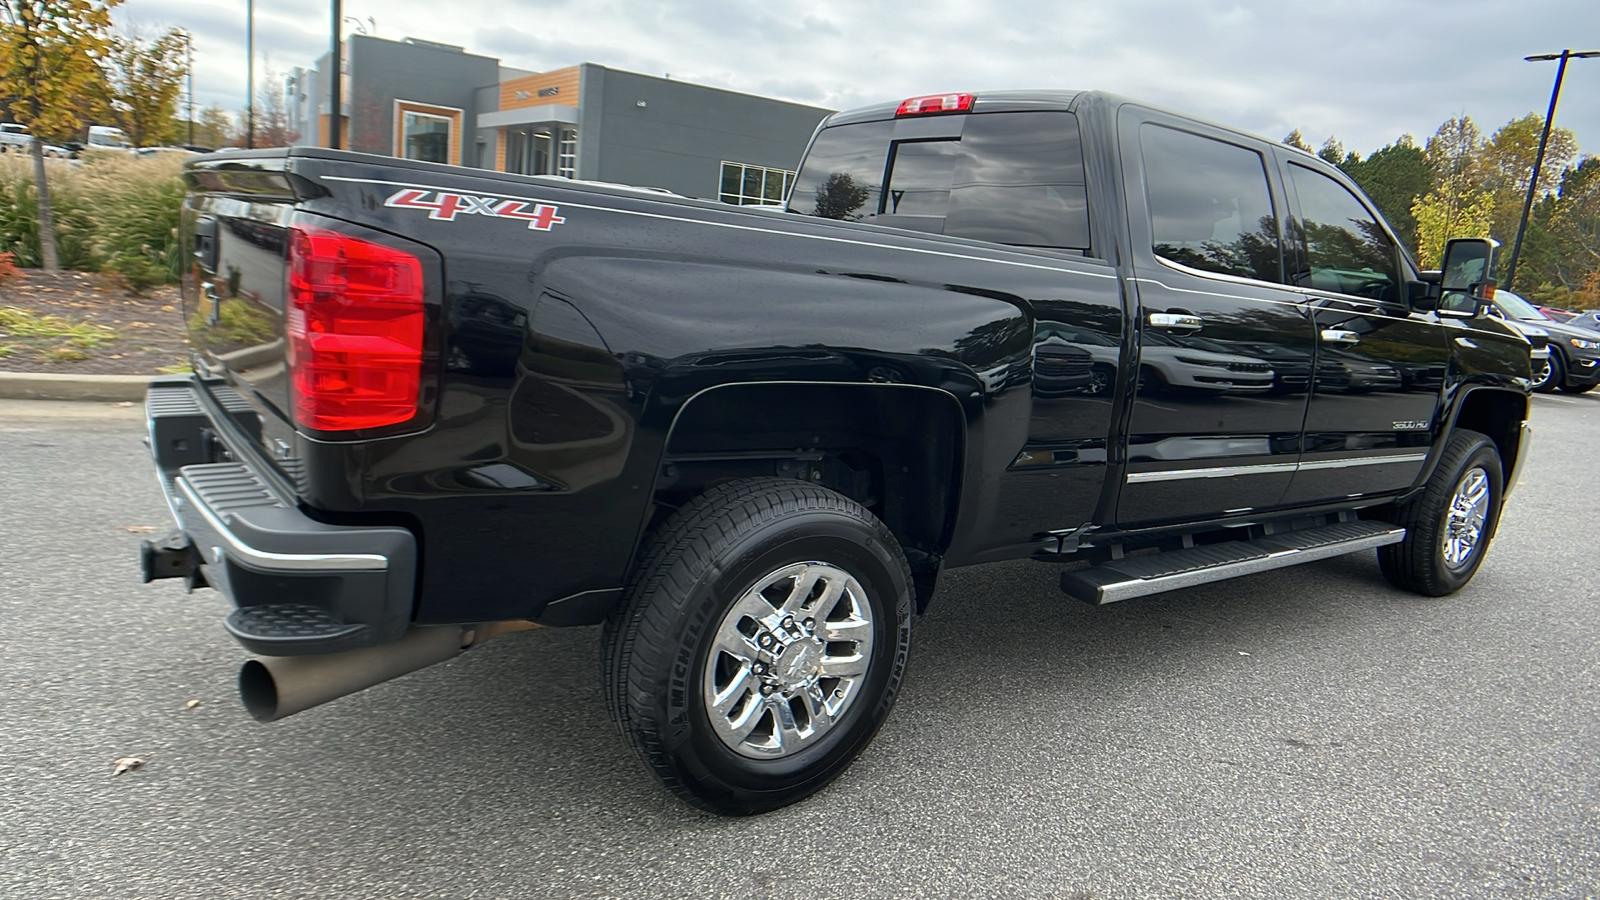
(343, 348)
(235, 229)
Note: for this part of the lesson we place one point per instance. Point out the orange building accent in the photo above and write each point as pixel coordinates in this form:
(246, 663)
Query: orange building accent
(401, 107)
(524, 91)
(344, 131)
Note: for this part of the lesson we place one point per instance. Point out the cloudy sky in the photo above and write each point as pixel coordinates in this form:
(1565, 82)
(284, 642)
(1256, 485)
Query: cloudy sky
(1364, 70)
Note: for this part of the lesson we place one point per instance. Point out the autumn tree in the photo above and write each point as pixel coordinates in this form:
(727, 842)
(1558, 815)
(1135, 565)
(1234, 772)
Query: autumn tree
(215, 127)
(273, 128)
(1507, 168)
(1296, 139)
(50, 55)
(1457, 205)
(144, 77)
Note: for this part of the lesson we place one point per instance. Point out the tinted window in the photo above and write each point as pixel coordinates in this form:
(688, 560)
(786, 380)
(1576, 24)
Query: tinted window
(1347, 251)
(1210, 207)
(1011, 178)
(843, 172)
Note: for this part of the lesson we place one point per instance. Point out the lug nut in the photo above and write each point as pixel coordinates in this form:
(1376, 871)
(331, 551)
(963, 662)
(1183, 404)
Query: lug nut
(767, 689)
(811, 624)
(788, 622)
(765, 641)
(759, 668)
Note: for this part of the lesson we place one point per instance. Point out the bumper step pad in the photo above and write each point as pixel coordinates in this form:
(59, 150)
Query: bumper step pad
(290, 623)
(1137, 576)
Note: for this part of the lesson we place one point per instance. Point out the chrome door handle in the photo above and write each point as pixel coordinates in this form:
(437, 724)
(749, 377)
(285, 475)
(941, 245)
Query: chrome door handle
(1175, 320)
(1340, 336)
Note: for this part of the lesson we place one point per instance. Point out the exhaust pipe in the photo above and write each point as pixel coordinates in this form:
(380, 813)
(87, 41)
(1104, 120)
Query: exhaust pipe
(273, 687)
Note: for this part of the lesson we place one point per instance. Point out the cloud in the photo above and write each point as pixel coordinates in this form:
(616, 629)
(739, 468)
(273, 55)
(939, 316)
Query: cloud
(1364, 70)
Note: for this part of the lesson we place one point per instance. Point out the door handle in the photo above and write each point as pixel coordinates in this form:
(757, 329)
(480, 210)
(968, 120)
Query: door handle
(1340, 336)
(1175, 320)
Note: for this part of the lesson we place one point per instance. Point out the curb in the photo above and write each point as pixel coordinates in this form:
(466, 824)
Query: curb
(51, 386)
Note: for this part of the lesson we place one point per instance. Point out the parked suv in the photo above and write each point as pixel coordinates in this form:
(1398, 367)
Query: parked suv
(1574, 363)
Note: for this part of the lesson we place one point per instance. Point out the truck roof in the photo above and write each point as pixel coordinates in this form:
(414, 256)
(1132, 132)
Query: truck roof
(1033, 99)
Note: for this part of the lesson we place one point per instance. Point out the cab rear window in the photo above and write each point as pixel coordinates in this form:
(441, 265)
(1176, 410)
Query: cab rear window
(1011, 178)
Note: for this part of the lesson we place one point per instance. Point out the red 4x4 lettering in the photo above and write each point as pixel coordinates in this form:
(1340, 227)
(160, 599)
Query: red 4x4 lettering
(447, 206)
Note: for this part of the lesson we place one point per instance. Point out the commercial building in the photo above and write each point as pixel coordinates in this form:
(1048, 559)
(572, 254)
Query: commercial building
(424, 100)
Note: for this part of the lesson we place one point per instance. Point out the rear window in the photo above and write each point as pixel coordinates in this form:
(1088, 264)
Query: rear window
(1011, 178)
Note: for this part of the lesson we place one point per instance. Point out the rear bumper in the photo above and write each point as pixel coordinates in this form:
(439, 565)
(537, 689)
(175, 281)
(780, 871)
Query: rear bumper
(299, 586)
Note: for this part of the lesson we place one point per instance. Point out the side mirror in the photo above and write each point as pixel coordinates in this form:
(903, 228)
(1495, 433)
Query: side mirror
(1466, 282)
(1422, 295)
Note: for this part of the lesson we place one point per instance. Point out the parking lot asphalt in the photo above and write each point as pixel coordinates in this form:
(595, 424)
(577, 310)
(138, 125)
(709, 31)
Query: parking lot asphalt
(1308, 732)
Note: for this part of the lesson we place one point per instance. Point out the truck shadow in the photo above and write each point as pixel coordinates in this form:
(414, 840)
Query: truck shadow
(519, 730)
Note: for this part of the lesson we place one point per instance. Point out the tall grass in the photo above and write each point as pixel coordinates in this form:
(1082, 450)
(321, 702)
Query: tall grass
(113, 212)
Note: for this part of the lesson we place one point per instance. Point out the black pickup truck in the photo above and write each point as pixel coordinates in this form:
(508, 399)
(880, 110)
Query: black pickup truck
(432, 404)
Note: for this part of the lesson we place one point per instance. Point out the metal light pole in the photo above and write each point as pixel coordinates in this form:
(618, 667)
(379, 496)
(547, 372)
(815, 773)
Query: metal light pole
(1538, 159)
(335, 114)
(250, 74)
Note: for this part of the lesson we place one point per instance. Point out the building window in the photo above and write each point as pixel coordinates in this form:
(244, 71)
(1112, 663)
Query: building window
(744, 185)
(425, 137)
(567, 158)
(428, 133)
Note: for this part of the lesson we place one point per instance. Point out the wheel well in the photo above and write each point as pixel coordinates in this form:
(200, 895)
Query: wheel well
(1498, 414)
(896, 450)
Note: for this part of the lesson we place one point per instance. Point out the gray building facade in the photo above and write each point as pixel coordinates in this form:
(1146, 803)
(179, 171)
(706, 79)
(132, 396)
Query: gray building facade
(437, 102)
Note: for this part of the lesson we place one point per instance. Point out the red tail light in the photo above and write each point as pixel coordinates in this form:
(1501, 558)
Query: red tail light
(935, 103)
(355, 324)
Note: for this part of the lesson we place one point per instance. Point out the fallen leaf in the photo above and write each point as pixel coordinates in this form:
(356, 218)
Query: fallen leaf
(1242, 653)
(191, 704)
(127, 764)
(138, 529)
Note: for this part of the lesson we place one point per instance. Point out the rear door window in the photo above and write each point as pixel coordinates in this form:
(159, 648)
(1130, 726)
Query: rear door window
(1010, 178)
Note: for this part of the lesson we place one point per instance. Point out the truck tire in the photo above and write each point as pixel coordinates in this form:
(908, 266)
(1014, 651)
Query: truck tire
(761, 645)
(1577, 388)
(1450, 524)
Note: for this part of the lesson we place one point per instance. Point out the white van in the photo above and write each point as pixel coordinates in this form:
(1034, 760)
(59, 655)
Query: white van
(105, 137)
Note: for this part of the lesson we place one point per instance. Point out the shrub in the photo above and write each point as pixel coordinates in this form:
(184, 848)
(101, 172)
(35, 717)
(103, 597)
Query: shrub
(113, 212)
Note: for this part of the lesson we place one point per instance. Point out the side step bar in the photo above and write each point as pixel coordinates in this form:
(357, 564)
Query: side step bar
(1140, 575)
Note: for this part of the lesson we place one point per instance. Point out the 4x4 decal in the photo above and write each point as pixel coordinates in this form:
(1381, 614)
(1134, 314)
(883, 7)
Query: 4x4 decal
(446, 206)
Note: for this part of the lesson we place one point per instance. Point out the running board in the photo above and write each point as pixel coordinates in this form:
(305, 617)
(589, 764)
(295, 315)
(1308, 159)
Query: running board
(1137, 576)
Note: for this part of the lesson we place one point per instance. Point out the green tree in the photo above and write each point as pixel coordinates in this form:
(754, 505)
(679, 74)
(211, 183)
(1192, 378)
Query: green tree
(1394, 176)
(839, 197)
(144, 78)
(1444, 214)
(1333, 151)
(50, 53)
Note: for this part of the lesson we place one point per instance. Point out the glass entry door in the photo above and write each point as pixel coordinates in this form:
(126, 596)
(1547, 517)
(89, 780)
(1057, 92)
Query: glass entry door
(528, 150)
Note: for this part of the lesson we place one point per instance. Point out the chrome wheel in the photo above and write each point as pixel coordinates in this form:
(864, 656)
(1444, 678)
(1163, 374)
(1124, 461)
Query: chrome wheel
(788, 660)
(1465, 517)
(1541, 374)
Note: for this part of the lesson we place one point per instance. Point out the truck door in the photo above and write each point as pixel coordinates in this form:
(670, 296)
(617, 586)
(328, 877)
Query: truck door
(1380, 368)
(1226, 346)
